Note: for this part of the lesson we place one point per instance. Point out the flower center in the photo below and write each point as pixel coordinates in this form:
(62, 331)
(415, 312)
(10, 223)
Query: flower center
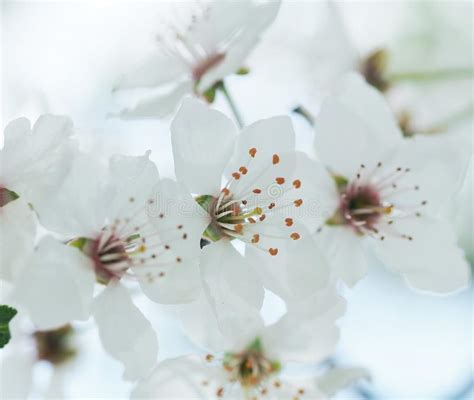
(372, 202)
(54, 345)
(251, 367)
(206, 64)
(251, 199)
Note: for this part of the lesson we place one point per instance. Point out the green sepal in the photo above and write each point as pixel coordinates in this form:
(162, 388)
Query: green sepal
(6, 315)
(243, 71)
(256, 345)
(79, 243)
(7, 196)
(210, 94)
(340, 181)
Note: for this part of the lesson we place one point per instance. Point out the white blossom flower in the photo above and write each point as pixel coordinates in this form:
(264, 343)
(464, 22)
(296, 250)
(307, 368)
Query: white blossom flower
(389, 191)
(254, 191)
(250, 362)
(191, 59)
(103, 215)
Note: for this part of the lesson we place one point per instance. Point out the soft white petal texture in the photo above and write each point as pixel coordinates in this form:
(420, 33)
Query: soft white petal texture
(233, 288)
(298, 270)
(16, 374)
(131, 180)
(158, 105)
(307, 332)
(179, 378)
(17, 235)
(56, 285)
(355, 126)
(345, 252)
(268, 136)
(332, 51)
(34, 161)
(318, 190)
(78, 207)
(156, 70)
(125, 332)
(254, 20)
(203, 141)
(200, 324)
(339, 378)
(438, 165)
(173, 206)
(432, 261)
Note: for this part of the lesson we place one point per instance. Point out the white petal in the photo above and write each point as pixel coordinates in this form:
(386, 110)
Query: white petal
(432, 261)
(232, 286)
(343, 249)
(78, 207)
(131, 181)
(257, 19)
(437, 163)
(317, 333)
(33, 162)
(16, 374)
(56, 285)
(17, 236)
(154, 71)
(125, 332)
(179, 378)
(203, 141)
(355, 126)
(339, 378)
(299, 268)
(178, 222)
(159, 105)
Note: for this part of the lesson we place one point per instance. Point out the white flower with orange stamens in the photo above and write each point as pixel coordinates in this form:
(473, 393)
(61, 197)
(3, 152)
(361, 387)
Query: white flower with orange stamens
(193, 58)
(102, 214)
(252, 361)
(389, 191)
(254, 195)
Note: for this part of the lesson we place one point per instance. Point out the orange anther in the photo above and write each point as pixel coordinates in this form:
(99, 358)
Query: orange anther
(243, 170)
(255, 238)
(298, 202)
(297, 183)
(295, 236)
(236, 176)
(280, 180)
(252, 152)
(289, 221)
(239, 228)
(273, 251)
(276, 159)
(257, 191)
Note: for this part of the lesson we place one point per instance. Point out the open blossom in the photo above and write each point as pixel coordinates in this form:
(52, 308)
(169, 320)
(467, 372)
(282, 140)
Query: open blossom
(388, 191)
(250, 361)
(253, 195)
(191, 59)
(103, 216)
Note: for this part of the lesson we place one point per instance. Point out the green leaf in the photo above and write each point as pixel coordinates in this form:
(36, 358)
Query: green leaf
(210, 94)
(6, 315)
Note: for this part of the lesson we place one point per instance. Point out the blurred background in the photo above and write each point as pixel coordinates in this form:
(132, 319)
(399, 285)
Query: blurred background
(64, 57)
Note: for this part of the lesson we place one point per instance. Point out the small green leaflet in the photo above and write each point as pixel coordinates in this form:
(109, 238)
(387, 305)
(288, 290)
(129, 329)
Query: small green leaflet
(6, 315)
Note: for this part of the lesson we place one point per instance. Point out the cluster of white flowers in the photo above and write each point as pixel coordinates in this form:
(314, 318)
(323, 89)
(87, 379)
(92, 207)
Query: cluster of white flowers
(247, 213)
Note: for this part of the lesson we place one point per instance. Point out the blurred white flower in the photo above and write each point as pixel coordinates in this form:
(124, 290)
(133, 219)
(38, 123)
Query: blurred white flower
(103, 214)
(389, 190)
(193, 58)
(250, 362)
(260, 205)
(426, 70)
